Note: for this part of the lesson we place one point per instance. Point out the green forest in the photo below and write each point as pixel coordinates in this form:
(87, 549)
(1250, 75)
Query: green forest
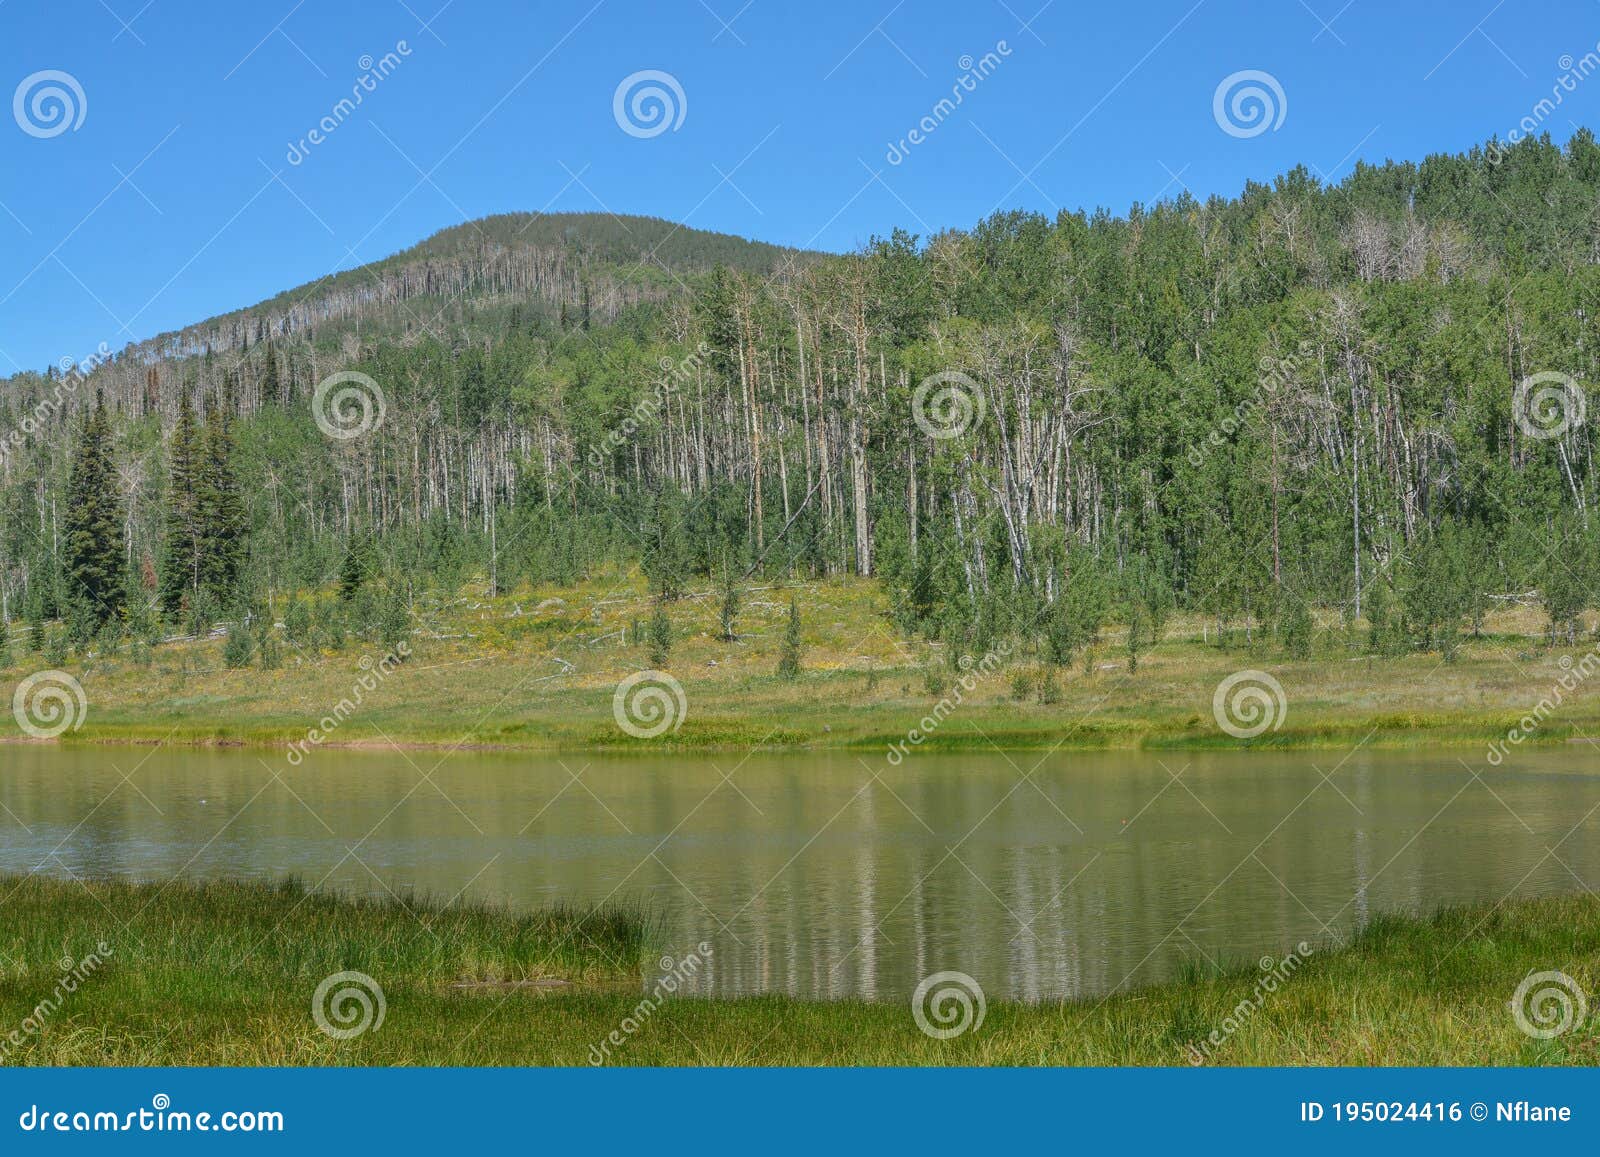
(1368, 397)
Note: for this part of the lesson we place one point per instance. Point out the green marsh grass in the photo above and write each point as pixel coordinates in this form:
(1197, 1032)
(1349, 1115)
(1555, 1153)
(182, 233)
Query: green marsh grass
(224, 974)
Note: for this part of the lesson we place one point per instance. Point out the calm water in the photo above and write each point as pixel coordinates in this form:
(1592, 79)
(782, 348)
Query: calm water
(813, 878)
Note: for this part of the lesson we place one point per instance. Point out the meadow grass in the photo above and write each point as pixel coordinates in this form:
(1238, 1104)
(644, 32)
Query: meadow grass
(536, 670)
(221, 974)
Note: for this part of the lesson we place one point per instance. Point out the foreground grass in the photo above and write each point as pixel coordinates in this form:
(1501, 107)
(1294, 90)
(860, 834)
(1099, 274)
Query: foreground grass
(537, 669)
(225, 974)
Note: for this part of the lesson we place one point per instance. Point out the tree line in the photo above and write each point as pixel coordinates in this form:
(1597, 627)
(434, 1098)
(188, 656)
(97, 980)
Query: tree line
(1367, 396)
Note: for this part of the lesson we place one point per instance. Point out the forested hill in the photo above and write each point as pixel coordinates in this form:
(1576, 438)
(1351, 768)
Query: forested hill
(1372, 395)
(587, 267)
(463, 281)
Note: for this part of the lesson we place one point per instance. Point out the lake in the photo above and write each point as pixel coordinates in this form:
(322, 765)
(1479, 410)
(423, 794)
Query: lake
(832, 875)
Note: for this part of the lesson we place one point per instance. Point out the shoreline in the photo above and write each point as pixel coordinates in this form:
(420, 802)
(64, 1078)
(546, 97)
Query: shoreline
(1463, 734)
(1373, 740)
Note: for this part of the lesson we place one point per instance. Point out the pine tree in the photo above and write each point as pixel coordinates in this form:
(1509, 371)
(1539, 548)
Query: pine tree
(36, 635)
(5, 645)
(354, 570)
(95, 564)
(789, 656)
(83, 622)
(394, 620)
(223, 523)
(329, 625)
(660, 637)
(1049, 689)
(666, 556)
(239, 648)
(271, 386)
(183, 566)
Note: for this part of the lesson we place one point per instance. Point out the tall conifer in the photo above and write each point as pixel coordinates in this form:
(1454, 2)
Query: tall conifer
(181, 576)
(93, 541)
(223, 525)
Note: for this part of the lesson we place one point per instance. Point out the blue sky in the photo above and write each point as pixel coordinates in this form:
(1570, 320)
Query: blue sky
(173, 196)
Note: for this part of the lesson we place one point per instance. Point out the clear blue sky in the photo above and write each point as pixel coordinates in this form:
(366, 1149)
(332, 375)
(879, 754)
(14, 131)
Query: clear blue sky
(174, 198)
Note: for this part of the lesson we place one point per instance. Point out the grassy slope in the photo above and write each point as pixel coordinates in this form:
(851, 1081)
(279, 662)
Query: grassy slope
(181, 988)
(525, 670)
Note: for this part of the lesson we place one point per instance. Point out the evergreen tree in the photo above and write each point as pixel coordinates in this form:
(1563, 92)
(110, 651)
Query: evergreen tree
(36, 635)
(239, 648)
(95, 563)
(1049, 689)
(394, 620)
(355, 569)
(83, 622)
(329, 625)
(660, 637)
(224, 526)
(666, 553)
(789, 655)
(183, 568)
(5, 645)
(271, 384)
(362, 614)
